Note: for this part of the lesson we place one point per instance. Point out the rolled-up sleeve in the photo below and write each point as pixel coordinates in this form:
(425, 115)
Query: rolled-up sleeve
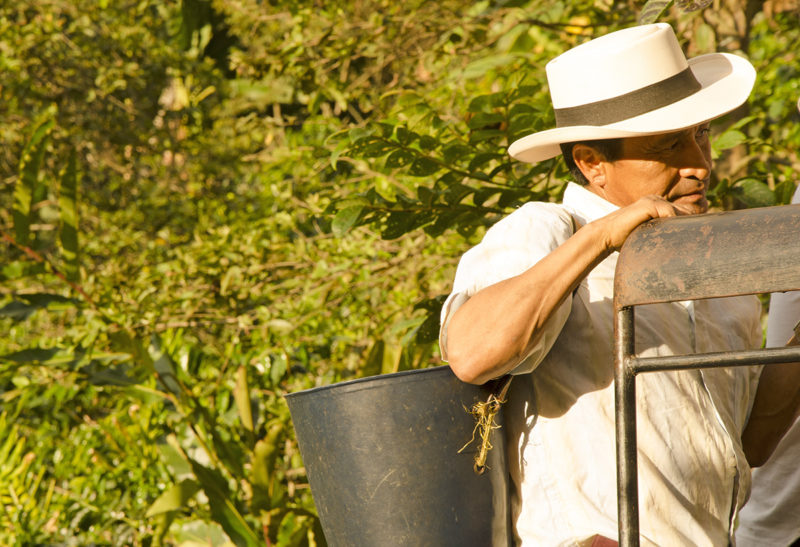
(509, 248)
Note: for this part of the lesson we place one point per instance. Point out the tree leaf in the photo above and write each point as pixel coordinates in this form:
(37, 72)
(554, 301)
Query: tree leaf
(223, 511)
(428, 331)
(372, 366)
(485, 119)
(49, 300)
(26, 188)
(422, 167)
(398, 158)
(174, 498)
(454, 153)
(455, 193)
(162, 363)
(401, 222)
(44, 356)
(485, 134)
(67, 206)
(265, 453)
(693, 5)
(345, 219)
(404, 136)
(481, 160)
(729, 139)
(652, 10)
(428, 143)
(754, 193)
(25, 304)
(278, 367)
(373, 147)
(17, 310)
(425, 195)
(241, 395)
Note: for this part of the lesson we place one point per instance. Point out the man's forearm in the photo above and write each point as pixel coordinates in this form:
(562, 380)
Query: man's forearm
(494, 329)
(776, 406)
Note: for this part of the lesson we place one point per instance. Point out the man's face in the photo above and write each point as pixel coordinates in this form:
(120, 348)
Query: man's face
(675, 166)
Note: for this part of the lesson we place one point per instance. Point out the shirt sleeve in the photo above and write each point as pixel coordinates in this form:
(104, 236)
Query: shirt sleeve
(509, 248)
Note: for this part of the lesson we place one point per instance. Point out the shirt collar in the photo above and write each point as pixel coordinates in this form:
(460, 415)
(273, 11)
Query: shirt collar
(586, 205)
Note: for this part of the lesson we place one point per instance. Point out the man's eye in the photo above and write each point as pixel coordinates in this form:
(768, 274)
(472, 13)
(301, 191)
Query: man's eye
(703, 134)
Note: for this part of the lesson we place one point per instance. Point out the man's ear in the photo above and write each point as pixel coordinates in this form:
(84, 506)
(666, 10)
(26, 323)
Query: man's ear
(591, 163)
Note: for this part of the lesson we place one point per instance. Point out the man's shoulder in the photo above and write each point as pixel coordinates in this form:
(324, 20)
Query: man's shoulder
(538, 215)
(535, 225)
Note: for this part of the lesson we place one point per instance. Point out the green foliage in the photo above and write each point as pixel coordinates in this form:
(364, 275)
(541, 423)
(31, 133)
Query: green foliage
(472, 181)
(653, 10)
(208, 205)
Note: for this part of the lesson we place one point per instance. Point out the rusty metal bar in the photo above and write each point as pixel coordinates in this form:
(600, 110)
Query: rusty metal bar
(768, 356)
(625, 408)
(627, 366)
(753, 251)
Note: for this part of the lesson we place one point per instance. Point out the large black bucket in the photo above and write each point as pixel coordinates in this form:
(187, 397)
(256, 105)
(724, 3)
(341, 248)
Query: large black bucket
(382, 458)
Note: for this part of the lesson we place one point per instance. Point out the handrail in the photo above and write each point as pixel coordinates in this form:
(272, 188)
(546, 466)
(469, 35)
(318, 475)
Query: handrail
(752, 251)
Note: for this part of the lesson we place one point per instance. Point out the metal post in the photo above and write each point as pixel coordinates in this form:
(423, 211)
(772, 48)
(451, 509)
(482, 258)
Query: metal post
(625, 407)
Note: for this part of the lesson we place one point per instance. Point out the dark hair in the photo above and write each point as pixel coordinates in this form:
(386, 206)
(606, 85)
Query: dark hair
(611, 149)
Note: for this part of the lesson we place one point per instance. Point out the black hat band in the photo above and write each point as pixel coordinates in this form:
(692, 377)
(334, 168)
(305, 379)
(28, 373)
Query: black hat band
(629, 105)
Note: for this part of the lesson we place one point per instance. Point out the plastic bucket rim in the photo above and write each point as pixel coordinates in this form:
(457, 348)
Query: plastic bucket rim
(367, 382)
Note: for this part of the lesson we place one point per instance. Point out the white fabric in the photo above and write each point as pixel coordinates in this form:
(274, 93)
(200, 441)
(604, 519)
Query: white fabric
(693, 476)
(771, 517)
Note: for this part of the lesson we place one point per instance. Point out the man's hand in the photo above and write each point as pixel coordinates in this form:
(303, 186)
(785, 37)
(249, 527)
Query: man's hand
(618, 225)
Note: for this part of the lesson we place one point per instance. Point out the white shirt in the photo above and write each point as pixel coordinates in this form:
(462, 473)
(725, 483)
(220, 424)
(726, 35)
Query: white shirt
(771, 517)
(693, 475)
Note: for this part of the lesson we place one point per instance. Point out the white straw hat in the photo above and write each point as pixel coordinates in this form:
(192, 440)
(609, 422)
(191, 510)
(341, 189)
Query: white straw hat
(633, 82)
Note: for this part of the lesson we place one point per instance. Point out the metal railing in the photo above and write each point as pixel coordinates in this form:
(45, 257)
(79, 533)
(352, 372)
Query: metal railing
(753, 251)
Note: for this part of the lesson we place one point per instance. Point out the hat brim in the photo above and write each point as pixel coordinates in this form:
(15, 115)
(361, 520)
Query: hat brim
(726, 82)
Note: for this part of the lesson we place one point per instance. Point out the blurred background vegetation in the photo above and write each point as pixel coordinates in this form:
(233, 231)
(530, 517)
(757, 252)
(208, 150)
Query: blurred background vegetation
(208, 204)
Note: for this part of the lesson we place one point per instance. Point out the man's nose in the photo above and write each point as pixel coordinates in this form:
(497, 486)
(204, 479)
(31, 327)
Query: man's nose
(697, 161)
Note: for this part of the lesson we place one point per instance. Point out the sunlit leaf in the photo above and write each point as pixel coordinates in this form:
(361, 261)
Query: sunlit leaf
(693, 5)
(652, 10)
(44, 356)
(278, 368)
(399, 158)
(222, 508)
(241, 395)
(174, 498)
(729, 139)
(346, 219)
(68, 211)
(374, 147)
(754, 193)
(27, 187)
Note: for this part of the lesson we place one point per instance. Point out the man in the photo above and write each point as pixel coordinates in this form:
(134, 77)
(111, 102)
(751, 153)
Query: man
(771, 518)
(534, 299)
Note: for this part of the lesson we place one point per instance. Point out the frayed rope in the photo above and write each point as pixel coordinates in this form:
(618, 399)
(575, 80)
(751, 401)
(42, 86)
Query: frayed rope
(484, 413)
